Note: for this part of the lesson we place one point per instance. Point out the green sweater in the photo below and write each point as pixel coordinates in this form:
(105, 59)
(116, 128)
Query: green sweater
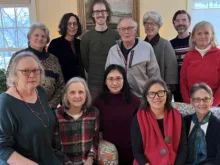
(94, 51)
(23, 132)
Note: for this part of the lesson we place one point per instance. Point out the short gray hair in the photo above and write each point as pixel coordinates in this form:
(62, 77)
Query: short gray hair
(88, 95)
(12, 76)
(199, 86)
(134, 23)
(199, 25)
(155, 16)
(41, 26)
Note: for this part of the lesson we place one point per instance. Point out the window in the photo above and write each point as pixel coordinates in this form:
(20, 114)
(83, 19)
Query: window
(205, 10)
(16, 17)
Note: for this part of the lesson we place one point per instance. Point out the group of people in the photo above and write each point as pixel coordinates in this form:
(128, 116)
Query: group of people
(124, 99)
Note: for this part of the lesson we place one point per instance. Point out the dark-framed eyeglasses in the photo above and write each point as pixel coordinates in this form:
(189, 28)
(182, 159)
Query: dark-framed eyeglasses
(27, 72)
(160, 93)
(129, 28)
(96, 12)
(69, 24)
(198, 100)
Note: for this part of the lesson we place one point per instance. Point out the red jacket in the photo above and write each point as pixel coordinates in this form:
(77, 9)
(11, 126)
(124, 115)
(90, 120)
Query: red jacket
(196, 69)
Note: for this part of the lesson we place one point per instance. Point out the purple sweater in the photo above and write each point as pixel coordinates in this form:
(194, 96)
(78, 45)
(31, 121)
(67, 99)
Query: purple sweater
(115, 123)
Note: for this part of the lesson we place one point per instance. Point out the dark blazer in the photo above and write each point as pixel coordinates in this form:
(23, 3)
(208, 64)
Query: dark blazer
(71, 64)
(212, 138)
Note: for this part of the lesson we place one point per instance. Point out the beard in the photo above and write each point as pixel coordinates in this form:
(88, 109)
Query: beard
(181, 28)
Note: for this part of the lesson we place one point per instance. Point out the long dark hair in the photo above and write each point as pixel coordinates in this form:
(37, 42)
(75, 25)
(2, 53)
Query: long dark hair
(126, 91)
(145, 104)
(63, 24)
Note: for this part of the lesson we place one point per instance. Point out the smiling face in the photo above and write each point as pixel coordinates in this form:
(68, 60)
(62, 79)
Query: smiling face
(202, 107)
(157, 102)
(114, 82)
(31, 81)
(181, 23)
(76, 95)
(100, 14)
(38, 39)
(72, 27)
(151, 28)
(203, 37)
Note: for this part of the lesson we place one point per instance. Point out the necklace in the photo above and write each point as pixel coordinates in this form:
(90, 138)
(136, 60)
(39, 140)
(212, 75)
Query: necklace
(38, 115)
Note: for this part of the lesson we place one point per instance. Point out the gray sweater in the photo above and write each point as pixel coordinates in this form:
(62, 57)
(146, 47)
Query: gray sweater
(167, 61)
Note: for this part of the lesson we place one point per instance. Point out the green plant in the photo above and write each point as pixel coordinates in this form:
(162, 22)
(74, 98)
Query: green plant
(3, 86)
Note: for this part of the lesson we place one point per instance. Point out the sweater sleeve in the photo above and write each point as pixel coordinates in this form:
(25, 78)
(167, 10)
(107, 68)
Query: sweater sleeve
(184, 88)
(216, 101)
(171, 68)
(153, 69)
(56, 98)
(182, 150)
(84, 48)
(8, 127)
(137, 143)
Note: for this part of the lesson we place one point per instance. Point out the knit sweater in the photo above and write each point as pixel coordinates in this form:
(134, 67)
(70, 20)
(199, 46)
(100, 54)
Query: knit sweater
(196, 69)
(94, 48)
(115, 122)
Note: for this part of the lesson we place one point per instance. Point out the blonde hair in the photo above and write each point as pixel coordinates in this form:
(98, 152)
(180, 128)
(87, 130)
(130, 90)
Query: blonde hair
(12, 76)
(88, 96)
(199, 25)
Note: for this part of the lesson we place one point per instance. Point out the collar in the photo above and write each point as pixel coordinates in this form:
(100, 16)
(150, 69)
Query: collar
(154, 40)
(41, 55)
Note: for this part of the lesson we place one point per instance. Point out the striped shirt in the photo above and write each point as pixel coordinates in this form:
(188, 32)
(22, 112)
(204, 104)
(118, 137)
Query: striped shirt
(76, 140)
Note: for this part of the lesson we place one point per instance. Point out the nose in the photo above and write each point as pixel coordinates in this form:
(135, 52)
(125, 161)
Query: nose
(114, 82)
(31, 74)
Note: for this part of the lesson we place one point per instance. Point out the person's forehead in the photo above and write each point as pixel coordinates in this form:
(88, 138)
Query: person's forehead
(126, 22)
(72, 19)
(182, 16)
(99, 6)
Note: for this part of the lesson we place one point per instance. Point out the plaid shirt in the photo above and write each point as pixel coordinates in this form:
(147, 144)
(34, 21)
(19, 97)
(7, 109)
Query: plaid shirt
(75, 140)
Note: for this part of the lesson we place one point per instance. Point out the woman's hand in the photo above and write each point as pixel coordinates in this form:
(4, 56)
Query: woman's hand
(89, 161)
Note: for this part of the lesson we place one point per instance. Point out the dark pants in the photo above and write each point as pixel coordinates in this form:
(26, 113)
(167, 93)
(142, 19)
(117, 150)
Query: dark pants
(177, 94)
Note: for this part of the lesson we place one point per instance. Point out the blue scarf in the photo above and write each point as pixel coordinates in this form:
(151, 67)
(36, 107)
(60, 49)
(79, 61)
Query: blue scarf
(197, 142)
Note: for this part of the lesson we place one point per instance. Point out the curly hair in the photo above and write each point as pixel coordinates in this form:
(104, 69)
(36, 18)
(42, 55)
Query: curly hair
(63, 24)
(107, 6)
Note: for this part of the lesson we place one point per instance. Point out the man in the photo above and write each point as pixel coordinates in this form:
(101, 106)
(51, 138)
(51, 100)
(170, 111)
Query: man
(181, 22)
(135, 55)
(96, 43)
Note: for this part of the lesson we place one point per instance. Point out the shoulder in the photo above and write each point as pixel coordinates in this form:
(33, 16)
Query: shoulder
(215, 120)
(113, 31)
(173, 40)
(87, 34)
(165, 42)
(41, 90)
(53, 59)
(93, 110)
(188, 118)
(56, 40)
(59, 112)
(136, 100)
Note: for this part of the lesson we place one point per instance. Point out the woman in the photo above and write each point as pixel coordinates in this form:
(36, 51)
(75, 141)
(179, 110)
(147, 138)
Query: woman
(77, 131)
(163, 50)
(26, 121)
(67, 47)
(38, 37)
(117, 106)
(202, 62)
(202, 128)
(158, 131)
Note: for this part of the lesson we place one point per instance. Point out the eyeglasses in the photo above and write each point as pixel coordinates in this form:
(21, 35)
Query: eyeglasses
(117, 79)
(180, 20)
(151, 24)
(160, 93)
(129, 29)
(198, 100)
(96, 12)
(27, 72)
(69, 24)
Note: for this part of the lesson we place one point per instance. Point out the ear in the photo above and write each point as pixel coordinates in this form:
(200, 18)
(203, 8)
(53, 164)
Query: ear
(191, 101)
(211, 101)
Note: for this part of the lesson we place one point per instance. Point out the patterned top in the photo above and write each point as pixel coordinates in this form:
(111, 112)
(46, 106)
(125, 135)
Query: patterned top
(75, 140)
(53, 82)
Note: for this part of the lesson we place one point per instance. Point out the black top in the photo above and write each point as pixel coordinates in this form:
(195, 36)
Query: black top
(71, 63)
(125, 51)
(23, 132)
(137, 143)
(212, 137)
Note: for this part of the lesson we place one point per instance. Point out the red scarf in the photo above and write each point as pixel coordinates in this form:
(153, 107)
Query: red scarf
(160, 151)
